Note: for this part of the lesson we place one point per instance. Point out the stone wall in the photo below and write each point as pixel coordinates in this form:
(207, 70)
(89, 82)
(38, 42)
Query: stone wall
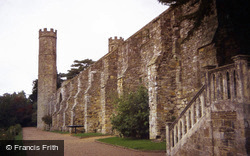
(158, 57)
(154, 57)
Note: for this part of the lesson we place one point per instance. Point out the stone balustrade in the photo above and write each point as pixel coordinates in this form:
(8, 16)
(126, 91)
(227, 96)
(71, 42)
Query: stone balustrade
(223, 84)
(188, 118)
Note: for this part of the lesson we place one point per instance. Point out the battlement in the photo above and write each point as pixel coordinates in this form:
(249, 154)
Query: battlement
(115, 42)
(116, 39)
(47, 33)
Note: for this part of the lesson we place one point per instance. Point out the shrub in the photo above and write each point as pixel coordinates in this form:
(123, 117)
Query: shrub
(15, 130)
(132, 114)
(47, 119)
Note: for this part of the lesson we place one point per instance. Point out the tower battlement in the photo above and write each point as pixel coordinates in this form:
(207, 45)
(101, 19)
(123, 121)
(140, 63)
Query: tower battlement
(115, 39)
(47, 33)
(115, 42)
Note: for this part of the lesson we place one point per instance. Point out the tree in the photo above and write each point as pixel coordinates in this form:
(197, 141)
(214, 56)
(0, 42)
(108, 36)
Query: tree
(77, 67)
(33, 96)
(232, 15)
(33, 100)
(15, 109)
(132, 114)
(204, 9)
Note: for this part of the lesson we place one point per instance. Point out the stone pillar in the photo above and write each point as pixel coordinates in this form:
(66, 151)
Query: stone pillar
(241, 65)
(192, 115)
(224, 77)
(47, 73)
(183, 126)
(188, 120)
(154, 127)
(202, 99)
(197, 103)
(175, 134)
(208, 81)
(168, 138)
(179, 130)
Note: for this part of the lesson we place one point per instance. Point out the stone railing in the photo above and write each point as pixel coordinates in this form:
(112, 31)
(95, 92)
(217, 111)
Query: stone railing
(221, 84)
(226, 83)
(188, 118)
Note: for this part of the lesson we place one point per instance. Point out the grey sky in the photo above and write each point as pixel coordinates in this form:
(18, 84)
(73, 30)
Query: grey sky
(83, 28)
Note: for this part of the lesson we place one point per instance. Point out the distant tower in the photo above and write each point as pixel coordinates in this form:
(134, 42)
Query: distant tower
(47, 73)
(115, 43)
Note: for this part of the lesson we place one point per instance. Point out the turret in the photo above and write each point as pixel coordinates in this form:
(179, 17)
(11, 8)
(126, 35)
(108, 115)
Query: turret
(47, 73)
(114, 43)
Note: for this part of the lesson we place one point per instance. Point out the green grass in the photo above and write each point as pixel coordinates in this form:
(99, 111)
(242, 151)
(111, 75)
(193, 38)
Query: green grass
(86, 135)
(61, 132)
(135, 143)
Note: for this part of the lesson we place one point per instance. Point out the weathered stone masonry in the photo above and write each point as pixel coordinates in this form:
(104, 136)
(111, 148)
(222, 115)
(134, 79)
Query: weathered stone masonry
(47, 76)
(183, 78)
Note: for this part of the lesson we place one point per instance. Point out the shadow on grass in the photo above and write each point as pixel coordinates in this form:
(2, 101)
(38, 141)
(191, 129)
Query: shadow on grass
(138, 144)
(87, 135)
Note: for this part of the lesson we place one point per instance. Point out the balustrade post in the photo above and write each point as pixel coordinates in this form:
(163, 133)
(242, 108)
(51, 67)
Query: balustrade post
(197, 102)
(208, 81)
(217, 87)
(168, 138)
(188, 120)
(202, 99)
(183, 125)
(231, 79)
(241, 65)
(175, 135)
(224, 80)
(179, 130)
(192, 115)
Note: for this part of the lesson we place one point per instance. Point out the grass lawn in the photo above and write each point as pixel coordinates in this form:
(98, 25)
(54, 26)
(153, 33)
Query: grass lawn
(135, 143)
(86, 135)
(60, 132)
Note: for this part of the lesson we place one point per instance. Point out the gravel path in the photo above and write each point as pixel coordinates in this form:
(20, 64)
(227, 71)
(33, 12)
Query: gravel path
(74, 146)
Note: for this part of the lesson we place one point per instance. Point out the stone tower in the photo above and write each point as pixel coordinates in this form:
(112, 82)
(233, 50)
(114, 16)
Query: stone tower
(47, 73)
(115, 43)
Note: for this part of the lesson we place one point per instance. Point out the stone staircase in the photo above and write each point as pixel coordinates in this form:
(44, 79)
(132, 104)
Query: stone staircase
(216, 120)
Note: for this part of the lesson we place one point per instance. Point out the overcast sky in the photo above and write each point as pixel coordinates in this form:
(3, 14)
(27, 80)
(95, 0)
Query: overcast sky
(83, 28)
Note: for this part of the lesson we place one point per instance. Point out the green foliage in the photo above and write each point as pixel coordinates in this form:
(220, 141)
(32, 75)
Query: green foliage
(33, 100)
(15, 109)
(77, 67)
(14, 130)
(33, 96)
(47, 119)
(132, 114)
(12, 133)
(135, 143)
